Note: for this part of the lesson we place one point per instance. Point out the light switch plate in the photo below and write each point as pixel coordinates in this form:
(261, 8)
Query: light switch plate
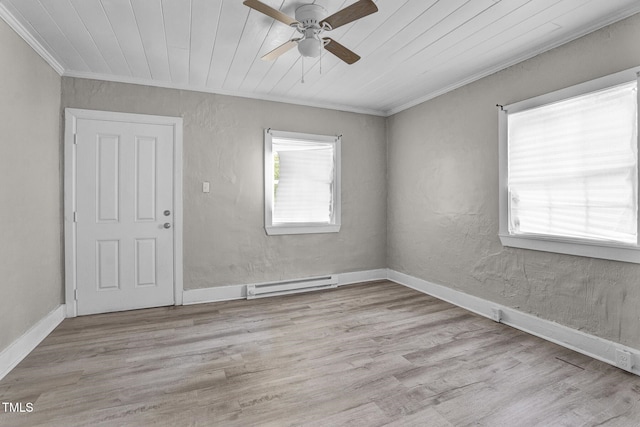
(205, 187)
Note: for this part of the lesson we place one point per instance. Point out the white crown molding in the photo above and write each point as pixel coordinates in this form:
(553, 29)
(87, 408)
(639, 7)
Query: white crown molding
(608, 20)
(260, 97)
(8, 17)
(20, 348)
(30, 39)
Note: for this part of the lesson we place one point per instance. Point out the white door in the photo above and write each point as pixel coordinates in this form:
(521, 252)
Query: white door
(124, 230)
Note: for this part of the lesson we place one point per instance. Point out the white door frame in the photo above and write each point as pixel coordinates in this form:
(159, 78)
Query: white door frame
(71, 117)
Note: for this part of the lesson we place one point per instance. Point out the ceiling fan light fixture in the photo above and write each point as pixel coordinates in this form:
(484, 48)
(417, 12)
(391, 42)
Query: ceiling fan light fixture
(310, 47)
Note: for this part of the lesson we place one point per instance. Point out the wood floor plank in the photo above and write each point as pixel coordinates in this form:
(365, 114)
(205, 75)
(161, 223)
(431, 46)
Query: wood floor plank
(376, 354)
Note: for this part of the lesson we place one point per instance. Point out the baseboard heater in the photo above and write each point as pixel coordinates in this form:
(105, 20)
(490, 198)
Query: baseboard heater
(291, 287)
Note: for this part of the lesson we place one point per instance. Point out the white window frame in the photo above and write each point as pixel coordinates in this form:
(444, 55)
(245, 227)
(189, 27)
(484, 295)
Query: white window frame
(579, 247)
(300, 228)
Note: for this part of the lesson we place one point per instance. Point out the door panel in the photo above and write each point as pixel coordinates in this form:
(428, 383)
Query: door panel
(124, 185)
(107, 166)
(108, 264)
(145, 179)
(146, 262)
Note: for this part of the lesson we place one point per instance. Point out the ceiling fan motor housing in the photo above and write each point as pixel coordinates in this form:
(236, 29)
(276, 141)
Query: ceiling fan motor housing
(310, 16)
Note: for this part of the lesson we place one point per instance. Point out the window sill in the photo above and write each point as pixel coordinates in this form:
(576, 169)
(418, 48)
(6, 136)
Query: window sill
(587, 249)
(276, 230)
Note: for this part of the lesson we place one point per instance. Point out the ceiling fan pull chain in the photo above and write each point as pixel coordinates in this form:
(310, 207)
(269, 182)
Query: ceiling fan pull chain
(321, 46)
(302, 80)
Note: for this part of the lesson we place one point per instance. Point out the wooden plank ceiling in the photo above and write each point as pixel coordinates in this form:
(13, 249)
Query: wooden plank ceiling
(412, 50)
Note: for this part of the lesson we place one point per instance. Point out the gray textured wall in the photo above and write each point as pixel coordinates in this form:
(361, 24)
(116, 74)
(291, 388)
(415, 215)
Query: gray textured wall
(443, 196)
(30, 192)
(224, 238)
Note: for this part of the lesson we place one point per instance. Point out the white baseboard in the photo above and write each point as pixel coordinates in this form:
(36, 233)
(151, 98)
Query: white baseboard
(590, 345)
(234, 292)
(361, 276)
(24, 345)
(215, 294)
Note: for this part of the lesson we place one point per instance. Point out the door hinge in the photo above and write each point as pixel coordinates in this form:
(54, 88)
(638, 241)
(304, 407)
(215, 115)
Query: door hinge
(75, 216)
(75, 294)
(75, 139)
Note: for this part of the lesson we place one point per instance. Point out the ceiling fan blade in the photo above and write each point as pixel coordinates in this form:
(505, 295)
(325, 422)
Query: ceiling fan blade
(275, 53)
(340, 51)
(358, 10)
(269, 11)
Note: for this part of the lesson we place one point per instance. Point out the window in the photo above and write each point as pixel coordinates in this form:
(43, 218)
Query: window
(302, 183)
(569, 170)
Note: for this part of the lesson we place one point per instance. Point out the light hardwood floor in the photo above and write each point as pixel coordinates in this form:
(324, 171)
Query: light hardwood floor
(365, 355)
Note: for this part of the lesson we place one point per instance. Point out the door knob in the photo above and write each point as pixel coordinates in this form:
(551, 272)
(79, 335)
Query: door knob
(167, 225)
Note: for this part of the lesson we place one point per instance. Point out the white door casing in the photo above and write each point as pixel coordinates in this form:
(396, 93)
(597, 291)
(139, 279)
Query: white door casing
(123, 211)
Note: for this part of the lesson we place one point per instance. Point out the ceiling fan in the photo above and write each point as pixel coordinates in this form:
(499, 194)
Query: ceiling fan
(311, 22)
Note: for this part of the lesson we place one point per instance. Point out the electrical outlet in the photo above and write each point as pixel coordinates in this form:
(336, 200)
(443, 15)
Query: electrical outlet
(624, 360)
(496, 314)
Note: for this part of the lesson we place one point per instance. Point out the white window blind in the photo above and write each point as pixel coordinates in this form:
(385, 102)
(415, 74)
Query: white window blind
(572, 167)
(304, 189)
(301, 183)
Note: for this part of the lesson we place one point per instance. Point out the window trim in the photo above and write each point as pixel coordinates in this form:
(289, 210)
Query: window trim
(579, 247)
(300, 228)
